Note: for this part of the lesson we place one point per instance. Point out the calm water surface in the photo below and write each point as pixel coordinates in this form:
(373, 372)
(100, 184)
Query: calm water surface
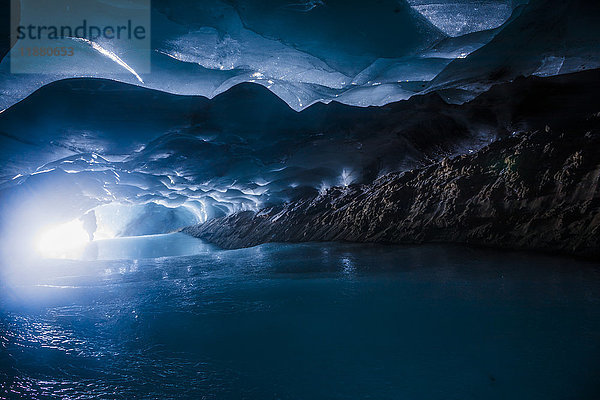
(308, 321)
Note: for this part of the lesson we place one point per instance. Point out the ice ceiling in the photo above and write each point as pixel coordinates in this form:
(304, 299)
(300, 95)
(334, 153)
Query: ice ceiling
(77, 145)
(356, 52)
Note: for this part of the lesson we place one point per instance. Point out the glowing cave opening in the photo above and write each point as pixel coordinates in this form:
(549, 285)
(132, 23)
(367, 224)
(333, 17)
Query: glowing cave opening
(122, 231)
(63, 241)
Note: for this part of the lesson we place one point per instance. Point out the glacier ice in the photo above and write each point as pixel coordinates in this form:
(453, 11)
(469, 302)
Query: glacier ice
(303, 51)
(311, 51)
(68, 146)
(561, 37)
(459, 17)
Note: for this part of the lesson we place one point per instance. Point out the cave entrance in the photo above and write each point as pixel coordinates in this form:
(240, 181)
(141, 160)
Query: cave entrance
(123, 231)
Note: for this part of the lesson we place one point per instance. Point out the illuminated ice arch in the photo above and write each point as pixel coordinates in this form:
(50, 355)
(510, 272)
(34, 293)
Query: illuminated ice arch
(80, 238)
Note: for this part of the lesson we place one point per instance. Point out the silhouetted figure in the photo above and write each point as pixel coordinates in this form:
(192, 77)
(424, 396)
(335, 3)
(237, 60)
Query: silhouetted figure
(89, 223)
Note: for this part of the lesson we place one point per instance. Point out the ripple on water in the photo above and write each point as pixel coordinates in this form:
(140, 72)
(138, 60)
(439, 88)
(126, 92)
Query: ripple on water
(304, 321)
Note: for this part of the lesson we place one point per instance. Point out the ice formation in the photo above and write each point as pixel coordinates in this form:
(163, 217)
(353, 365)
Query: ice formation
(459, 17)
(162, 161)
(303, 51)
(310, 51)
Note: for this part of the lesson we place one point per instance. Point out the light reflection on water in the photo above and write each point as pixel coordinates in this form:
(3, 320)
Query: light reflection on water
(305, 321)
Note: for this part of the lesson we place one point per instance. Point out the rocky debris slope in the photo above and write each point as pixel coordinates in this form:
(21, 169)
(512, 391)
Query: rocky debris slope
(534, 190)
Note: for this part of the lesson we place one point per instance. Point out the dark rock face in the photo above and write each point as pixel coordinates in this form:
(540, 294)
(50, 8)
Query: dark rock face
(534, 190)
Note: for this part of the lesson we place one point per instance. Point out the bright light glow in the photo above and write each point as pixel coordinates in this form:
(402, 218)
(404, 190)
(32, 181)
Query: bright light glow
(64, 241)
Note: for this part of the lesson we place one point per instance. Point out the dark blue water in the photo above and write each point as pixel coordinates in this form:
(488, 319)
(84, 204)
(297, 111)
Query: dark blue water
(310, 321)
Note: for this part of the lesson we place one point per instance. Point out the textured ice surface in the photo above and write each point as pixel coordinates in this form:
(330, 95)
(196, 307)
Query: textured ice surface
(459, 17)
(304, 51)
(354, 52)
(172, 160)
(544, 38)
(158, 162)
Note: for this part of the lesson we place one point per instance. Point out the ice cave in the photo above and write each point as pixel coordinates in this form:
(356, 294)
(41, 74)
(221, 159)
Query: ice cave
(299, 199)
